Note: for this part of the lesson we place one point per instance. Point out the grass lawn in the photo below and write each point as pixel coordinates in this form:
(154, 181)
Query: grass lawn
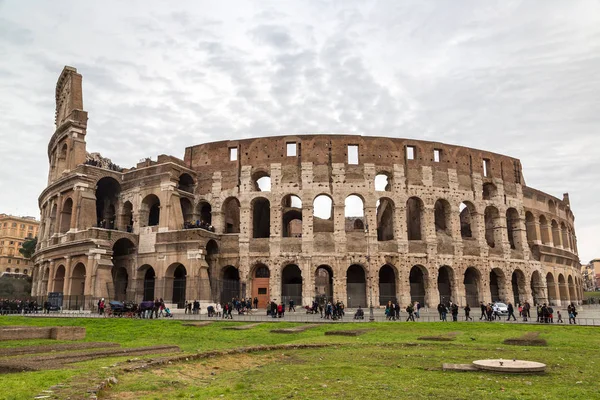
(587, 295)
(387, 361)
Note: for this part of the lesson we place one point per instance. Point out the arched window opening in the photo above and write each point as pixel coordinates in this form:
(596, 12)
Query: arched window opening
(442, 213)
(512, 228)
(187, 212)
(205, 212)
(387, 285)
(555, 234)
(323, 214)
(261, 218)
(356, 286)
(467, 220)
(127, 217)
(291, 211)
(414, 218)
(186, 183)
(565, 236)
(107, 199)
(551, 288)
(572, 294)
(491, 221)
(489, 191)
(231, 213)
(324, 284)
(544, 230)
(291, 284)
(383, 182)
(530, 225)
(65, 216)
(53, 221)
(354, 213)
(552, 207)
(385, 219)
(150, 211)
(262, 181)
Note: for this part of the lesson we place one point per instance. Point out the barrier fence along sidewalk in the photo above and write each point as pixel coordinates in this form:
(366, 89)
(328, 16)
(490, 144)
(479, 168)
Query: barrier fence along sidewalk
(301, 316)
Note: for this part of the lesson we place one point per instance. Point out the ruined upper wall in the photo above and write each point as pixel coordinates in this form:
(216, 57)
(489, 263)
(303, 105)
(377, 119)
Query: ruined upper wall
(325, 150)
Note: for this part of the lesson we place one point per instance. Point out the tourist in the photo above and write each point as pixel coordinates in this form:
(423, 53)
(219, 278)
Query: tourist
(550, 314)
(511, 311)
(218, 309)
(360, 314)
(559, 319)
(410, 311)
(256, 302)
(161, 308)
(417, 307)
(483, 311)
(443, 311)
(527, 307)
(156, 307)
(572, 313)
(454, 310)
(467, 313)
(273, 309)
(489, 312)
(101, 306)
(389, 310)
(397, 310)
(292, 306)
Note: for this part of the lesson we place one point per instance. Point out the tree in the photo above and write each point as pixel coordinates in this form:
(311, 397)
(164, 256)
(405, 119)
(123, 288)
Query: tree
(28, 248)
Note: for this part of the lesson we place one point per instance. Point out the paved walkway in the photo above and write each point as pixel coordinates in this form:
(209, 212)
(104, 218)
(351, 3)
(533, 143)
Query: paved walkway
(587, 315)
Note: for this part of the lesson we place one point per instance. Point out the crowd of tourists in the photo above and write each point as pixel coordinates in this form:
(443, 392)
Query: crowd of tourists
(198, 224)
(15, 306)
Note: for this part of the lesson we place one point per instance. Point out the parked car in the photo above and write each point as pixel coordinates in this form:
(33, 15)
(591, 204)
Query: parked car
(500, 308)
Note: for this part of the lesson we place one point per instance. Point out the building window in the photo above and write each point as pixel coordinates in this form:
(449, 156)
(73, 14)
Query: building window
(18, 262)
(410, 152)
(291, 149)
(353, 154)
(486, 167)
(10, 260)
(437, 155)
(14, 224)
(25, 271)
(233, 154)
(22, 226)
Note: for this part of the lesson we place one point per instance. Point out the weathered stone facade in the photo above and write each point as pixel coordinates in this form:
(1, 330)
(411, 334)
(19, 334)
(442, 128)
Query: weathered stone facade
(433, 222)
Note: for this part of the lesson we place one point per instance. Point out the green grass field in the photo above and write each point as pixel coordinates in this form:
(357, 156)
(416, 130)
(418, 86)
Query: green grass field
(387, 361)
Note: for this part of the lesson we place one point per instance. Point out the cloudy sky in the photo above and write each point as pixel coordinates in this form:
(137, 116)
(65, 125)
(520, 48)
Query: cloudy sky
(520, 78)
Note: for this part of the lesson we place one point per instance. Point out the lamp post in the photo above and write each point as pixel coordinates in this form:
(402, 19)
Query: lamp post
(371, 314)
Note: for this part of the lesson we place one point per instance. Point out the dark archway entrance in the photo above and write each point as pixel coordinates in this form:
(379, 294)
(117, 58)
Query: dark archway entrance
(518, 282)
(418, 279)
(291, 284)
(324, 284)
(261, 285)
(497, 285)
(471, 282)
(356, 285)
(120, 278)
(445, 279)
(179, 281)
(149, 280)
(230, 284)
(387, 285)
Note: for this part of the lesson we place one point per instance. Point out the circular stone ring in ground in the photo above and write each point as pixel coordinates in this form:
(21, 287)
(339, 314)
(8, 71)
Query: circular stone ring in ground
(512, 366)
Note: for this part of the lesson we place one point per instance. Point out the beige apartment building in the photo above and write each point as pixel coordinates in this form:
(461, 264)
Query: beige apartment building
(13, 232)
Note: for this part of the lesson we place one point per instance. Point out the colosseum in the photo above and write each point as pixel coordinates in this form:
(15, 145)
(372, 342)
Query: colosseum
(345, 217)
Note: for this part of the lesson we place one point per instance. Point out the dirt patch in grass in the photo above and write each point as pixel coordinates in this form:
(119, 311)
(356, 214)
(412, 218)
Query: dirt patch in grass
(296, 329)
(57, 361)
(198, 324)
(241, 327)
(446, 337)
(356, 332)
(16, 351)
(528, 339)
